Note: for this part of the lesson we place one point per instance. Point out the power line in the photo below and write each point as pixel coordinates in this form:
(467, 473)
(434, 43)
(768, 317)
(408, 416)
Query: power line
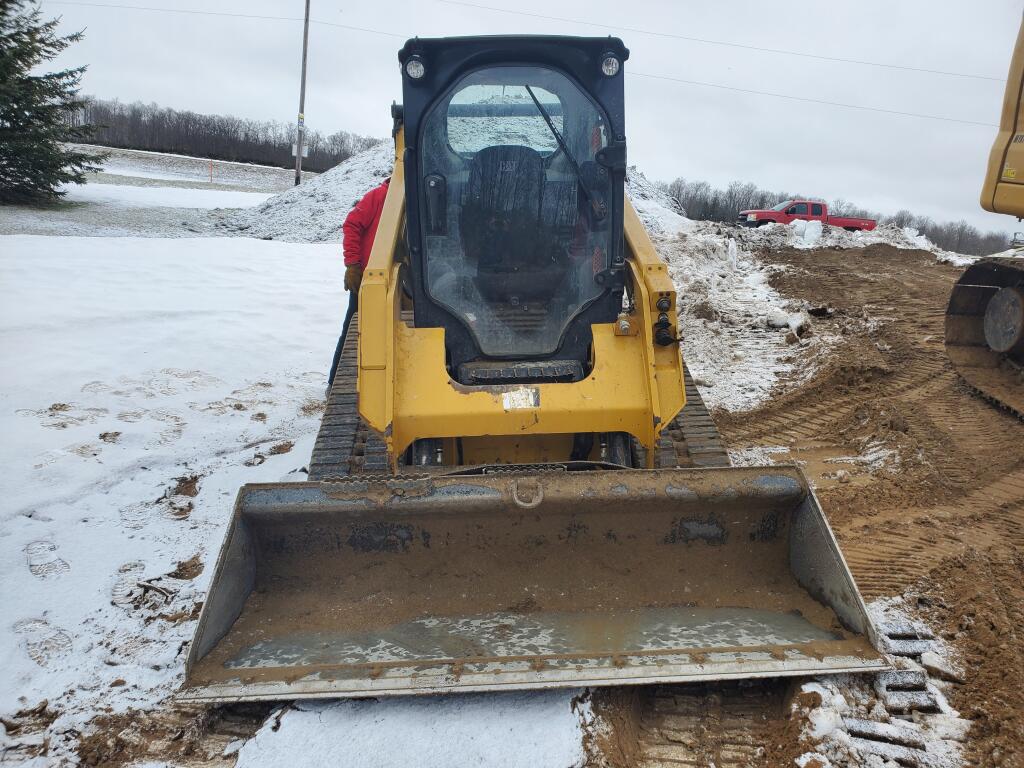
(707, 41)
(812, 101)
(669, 78)
(224, 13)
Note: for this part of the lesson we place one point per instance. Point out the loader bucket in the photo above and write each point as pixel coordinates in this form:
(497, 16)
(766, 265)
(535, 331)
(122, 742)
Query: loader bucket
(525, 579)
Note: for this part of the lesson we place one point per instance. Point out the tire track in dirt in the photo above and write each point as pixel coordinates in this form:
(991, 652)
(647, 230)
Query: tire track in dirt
(971, 489)
(729, 725)
(946, 503)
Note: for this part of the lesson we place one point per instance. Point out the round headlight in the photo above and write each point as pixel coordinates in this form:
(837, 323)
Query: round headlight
(610, 66)
(414, 68)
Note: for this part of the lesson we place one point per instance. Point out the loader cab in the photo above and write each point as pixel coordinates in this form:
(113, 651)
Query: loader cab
(515, 167)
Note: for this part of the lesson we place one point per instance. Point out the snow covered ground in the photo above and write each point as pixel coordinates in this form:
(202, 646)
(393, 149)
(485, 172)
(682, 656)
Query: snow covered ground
(162, 197)
(149, 194)
(121, 165)
(145, 380)
(512, 730)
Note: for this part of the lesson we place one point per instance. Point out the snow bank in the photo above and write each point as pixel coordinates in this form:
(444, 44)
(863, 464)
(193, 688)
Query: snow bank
(733, 323)
(315, 210)
(514, 730)
(162, 197)
(131, 364)
(814, 234)
(659, 212)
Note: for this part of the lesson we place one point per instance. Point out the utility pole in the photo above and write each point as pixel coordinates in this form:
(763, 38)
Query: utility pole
(300, 128)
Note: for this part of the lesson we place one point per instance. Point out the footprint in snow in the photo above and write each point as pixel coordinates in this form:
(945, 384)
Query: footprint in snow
(64, 415)
(127, 582)
(43, 561)
(44, 643)
(81, 450)
(135, 516)
(173, 427)
(169, 381)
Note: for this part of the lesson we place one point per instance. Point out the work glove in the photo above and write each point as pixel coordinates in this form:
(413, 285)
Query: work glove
(353, 277)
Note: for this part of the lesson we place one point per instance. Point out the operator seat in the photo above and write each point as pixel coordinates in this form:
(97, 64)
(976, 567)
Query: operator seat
(518, 259)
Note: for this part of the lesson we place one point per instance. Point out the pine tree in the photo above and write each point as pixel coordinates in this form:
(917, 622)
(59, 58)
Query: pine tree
(37, 111)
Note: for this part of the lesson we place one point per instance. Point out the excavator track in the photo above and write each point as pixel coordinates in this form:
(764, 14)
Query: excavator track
(985, 331)
(984, 389)
(346, 446)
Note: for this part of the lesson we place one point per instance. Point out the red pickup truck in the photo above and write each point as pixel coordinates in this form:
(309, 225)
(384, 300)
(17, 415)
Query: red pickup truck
(808, 210)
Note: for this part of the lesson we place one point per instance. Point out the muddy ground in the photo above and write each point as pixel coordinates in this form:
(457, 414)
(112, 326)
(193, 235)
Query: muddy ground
(933, 504)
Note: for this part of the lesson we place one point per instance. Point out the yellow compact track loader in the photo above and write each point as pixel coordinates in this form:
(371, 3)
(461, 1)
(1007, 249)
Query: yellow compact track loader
(985, 317)
(516, 484)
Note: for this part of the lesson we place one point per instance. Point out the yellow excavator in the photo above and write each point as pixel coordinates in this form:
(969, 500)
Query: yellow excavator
(985, 316)
(516, 484)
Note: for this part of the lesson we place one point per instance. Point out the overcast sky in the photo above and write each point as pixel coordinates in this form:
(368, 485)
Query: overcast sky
(249, 67)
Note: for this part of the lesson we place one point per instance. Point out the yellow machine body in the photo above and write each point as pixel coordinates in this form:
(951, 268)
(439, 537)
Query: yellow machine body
(457, 537)
(406, 394)
(1003, 191)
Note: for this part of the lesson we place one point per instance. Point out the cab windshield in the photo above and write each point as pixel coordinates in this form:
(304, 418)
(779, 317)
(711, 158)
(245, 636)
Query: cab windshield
(782, 206)
(516, 210)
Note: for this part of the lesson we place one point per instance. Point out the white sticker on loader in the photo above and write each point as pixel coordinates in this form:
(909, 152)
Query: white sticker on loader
(524, 397)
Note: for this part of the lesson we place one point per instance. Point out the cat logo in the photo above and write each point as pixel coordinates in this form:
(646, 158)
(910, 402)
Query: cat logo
(1009, 173)
(507, 166)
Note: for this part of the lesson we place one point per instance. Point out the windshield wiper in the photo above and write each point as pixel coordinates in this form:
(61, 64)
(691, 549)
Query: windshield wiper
(598, 208)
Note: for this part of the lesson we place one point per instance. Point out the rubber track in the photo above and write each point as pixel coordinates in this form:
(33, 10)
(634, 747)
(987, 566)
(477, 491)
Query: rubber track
(345, 445)
(692, 439)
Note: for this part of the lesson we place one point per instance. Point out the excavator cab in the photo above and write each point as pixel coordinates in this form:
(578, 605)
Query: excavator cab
(514, 486)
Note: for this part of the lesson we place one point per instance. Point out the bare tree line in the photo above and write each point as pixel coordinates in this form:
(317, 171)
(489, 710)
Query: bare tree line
(220, 137)
(702, 201)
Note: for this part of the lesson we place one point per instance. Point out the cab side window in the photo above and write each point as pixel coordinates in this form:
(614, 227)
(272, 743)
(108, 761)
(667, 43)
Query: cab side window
(800, 209)
(815, 209)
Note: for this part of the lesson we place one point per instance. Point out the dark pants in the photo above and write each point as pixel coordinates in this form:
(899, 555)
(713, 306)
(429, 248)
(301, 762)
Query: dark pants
(353, 305)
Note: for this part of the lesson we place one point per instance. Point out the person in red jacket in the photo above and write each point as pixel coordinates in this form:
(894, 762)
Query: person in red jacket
(358, 231)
